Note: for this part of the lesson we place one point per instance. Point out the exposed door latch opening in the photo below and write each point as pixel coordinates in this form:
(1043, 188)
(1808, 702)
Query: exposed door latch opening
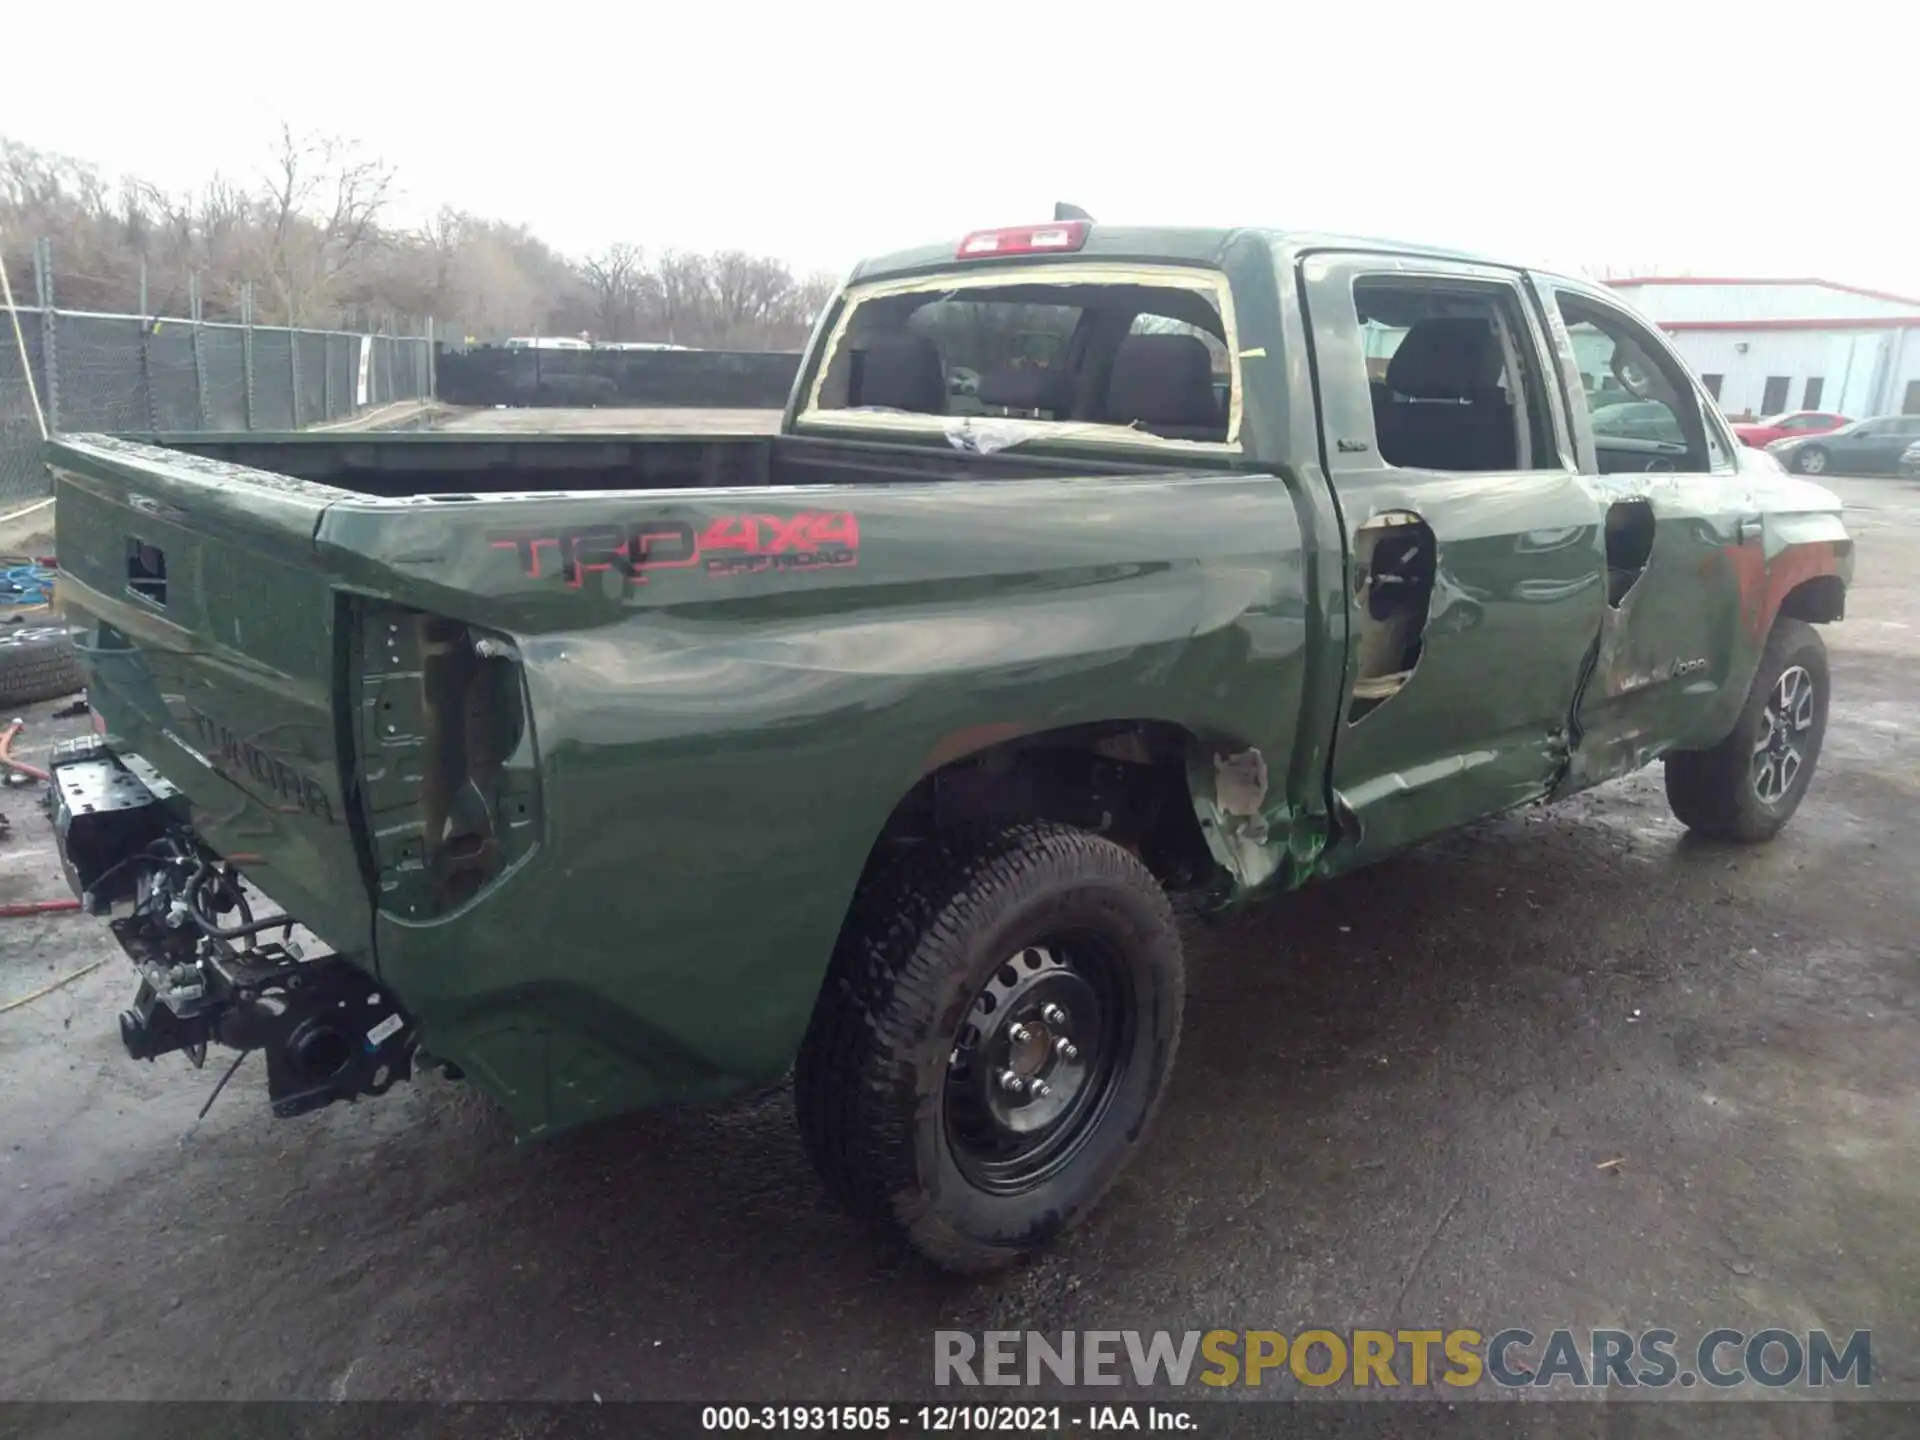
(1394, 557)
(1629, 547)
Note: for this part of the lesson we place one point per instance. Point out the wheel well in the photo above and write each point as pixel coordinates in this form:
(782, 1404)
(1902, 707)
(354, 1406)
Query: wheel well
(1126, 780)
(1819, 600)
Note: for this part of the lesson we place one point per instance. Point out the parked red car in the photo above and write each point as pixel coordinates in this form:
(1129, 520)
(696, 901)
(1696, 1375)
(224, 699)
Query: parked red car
(1787, 426)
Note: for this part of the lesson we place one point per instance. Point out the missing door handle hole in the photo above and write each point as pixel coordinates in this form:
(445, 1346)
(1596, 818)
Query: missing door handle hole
(1629, 547)
(1395, 557)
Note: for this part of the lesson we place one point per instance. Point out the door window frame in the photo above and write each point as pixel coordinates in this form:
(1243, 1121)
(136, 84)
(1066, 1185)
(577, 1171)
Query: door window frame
(1719, 439)
(1459, 276)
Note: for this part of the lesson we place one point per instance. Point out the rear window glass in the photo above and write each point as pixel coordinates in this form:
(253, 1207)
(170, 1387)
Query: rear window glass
(1122, 357)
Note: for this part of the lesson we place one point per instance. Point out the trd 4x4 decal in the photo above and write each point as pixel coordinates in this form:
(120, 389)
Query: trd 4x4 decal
(729, 545)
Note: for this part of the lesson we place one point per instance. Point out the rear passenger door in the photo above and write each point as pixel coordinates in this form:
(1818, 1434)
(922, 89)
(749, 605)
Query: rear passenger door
(1474, 589)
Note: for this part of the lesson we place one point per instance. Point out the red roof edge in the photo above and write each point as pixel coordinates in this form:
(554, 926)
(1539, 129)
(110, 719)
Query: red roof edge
(1844, 322)
(1735, 280)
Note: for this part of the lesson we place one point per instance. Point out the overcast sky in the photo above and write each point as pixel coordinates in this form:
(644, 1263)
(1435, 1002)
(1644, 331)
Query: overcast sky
(1738, 139)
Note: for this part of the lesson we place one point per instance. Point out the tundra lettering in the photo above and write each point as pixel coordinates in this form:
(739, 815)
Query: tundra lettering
(268, 770)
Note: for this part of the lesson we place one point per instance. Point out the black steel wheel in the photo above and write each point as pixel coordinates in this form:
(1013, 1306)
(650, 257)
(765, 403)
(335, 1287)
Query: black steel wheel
(1748, 786)
(1036, 1062)
(993, 1036)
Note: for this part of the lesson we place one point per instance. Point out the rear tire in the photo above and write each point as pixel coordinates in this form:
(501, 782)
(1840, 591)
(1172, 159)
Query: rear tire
(37, 662)
(1038, 952)
(1748, 786)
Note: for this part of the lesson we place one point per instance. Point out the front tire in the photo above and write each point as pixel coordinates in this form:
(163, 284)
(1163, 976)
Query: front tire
(992, 1040)
(1811, 461)
(1748, 786)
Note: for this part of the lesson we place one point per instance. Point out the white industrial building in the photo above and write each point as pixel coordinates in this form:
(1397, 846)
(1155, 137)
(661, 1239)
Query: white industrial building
(1764, 346)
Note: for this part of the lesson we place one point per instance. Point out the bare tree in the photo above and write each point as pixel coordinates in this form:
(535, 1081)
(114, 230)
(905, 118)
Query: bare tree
(323, 207)
(684, 297)
(748, 291)
(618, 281)
(309, 236)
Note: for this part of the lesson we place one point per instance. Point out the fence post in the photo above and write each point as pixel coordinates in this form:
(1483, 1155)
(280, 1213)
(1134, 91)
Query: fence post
(246, 344)
(326, 373)
(293, 368)
(199, 350)
(49, 344)
(146, 370)
(146, 355)
(433, 361)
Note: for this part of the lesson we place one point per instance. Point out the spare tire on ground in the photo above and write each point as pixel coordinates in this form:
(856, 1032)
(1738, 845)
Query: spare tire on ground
(37, 662)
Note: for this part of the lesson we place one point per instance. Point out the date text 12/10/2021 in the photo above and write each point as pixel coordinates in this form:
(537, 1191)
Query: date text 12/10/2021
(945, 1419)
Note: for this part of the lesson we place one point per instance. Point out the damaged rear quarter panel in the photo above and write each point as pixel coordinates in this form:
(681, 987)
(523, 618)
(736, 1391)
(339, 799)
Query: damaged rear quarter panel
(719, 751)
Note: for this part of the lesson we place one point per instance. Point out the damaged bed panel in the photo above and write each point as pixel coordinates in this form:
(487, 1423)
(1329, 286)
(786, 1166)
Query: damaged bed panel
(701, 729)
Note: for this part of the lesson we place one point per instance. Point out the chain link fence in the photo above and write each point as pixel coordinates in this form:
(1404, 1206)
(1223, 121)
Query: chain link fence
(127, 374)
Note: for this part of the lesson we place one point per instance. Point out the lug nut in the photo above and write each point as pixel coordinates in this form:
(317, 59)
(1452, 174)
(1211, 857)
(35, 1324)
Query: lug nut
(1010, 1081)
(1018, 1033)
(1054, 1015)
(1066, 1049)
(1040, 1089)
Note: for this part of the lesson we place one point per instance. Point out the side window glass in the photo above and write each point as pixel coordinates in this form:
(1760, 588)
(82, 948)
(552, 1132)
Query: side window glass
(1454, 377)
(1643, 408)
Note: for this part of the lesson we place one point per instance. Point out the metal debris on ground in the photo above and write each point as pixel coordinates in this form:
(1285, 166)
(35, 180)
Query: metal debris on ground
(46, 990)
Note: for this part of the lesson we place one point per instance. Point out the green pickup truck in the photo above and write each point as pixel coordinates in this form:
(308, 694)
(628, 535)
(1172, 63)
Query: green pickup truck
(604, 772)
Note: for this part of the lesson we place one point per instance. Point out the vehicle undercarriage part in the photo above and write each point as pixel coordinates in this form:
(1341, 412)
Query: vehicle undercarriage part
(1393, 567)
(328, 1030)
(1125, 782)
